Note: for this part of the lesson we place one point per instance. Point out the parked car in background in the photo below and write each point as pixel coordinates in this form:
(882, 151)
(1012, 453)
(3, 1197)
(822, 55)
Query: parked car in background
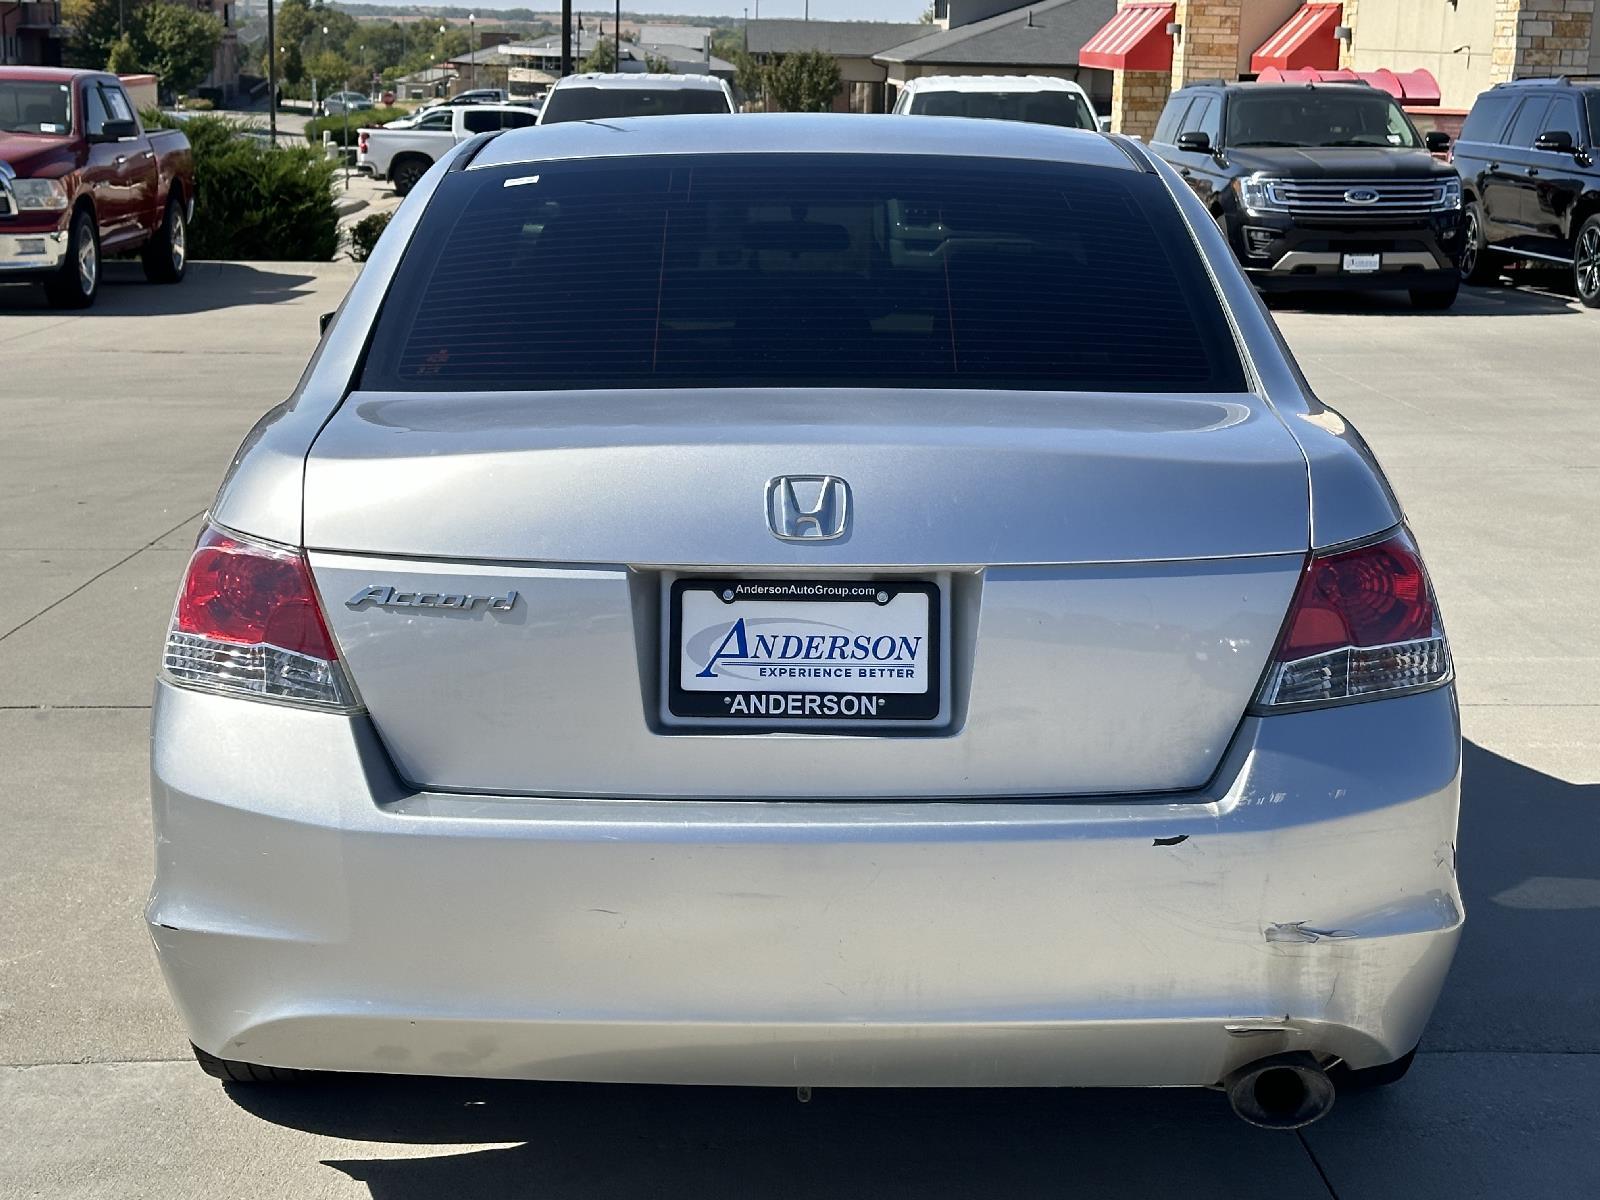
(402, 154)
(1320, 186)
(340, 103)
(477, 96)
(1041, 99)
(1527, 157)
(700, 621)
(81, 180)
(596, 96)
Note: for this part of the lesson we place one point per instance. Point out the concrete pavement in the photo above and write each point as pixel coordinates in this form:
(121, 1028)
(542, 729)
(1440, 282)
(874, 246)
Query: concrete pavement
(117, 425)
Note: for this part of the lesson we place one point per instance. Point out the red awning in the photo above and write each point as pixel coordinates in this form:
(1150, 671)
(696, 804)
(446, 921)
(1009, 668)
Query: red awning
(1411, 87)
(1136, 39)
(1306, 40)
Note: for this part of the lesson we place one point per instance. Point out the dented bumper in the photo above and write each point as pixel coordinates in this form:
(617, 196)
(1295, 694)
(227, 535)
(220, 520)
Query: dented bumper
(311, 911)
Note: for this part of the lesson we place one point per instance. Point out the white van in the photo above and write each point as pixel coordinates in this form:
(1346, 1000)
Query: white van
(1039, 99)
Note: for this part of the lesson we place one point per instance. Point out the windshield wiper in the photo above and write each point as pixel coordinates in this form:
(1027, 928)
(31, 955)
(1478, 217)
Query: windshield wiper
(1370, 145)
(1294, 145)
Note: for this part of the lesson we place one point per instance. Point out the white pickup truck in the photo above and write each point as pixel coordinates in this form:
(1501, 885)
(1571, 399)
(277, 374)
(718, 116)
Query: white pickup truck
(403, 155)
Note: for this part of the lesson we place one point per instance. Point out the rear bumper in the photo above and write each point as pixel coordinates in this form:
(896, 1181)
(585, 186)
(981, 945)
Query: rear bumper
(309, 911)
(32, 253)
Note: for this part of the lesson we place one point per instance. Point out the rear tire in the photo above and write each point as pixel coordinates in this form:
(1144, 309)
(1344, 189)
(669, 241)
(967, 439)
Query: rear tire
(229, 1071)
(166, 255)
(1477, 265)
(1363, 1079)
(406, 173)
(1586, 262)
(1434, 299)
(77, 282)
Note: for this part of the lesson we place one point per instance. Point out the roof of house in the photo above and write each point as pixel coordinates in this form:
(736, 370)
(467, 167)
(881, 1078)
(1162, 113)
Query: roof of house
(691, 36)
(1047, 34)
(842, 39)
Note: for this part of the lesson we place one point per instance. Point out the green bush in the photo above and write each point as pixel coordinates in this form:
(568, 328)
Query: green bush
(254, 202)
(364, 234)
(358, 121)
(197, 104)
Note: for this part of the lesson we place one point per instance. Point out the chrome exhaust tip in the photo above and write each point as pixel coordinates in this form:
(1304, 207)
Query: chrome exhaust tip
(1283, 1091)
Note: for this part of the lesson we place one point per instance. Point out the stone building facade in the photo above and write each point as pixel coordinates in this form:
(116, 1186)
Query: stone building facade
(1468, 45)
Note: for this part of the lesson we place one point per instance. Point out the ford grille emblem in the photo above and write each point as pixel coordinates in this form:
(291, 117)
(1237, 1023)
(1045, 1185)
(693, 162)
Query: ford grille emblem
(1361, 196)
(808, 508)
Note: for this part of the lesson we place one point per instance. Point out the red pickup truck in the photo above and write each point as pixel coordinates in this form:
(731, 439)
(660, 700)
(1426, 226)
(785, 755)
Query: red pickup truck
(80, 179)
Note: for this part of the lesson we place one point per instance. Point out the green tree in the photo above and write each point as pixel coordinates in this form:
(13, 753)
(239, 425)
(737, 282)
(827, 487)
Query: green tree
(329, 69)
(96, 26)
(176, 42)
(294, 23)
(803, 82)
(657, 66)
(123, 58)
(749, 76)
(291, 66)
(602, 58)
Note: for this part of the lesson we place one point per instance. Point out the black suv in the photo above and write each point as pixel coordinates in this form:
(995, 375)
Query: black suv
(1320, 186)
(1527, 160)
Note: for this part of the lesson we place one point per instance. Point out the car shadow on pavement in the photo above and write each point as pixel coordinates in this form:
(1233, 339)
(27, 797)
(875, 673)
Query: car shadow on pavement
(1526, 976)
(209, 286)
(1528, 865)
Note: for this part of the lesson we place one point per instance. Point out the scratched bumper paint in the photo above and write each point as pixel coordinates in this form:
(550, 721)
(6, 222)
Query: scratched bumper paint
(311, 911)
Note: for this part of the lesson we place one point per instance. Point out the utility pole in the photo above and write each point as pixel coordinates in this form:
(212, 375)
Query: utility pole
(272, 78)
(472, 50)
(566, 38)
(616, 39)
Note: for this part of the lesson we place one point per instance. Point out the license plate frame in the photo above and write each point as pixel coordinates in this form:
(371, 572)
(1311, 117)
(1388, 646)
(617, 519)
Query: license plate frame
(836, 606)
(1361, 264)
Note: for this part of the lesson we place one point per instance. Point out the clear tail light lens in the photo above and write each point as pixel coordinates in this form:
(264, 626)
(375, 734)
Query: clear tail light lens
(1363, 624)
(247, 623)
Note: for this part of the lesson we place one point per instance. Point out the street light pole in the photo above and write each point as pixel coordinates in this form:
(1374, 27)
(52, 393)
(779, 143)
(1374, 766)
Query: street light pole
(272, 79)
(566, 38)
(616, 39)
(472, 50)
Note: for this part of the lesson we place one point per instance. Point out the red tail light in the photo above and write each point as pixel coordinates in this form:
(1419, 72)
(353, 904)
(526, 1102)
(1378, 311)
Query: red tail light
(1363, 623)
(248, 622)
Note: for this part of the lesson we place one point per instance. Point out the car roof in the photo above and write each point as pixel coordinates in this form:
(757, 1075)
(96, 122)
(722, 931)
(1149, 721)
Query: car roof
(802, 133)
(639, 79)
(1281, 89)
(51, 74)
(990, 83)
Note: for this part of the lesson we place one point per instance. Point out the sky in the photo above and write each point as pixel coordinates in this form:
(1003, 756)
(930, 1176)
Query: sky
(821, 10)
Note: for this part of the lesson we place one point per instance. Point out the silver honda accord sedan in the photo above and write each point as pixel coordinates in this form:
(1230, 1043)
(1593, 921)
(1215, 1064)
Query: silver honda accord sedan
(807, 601)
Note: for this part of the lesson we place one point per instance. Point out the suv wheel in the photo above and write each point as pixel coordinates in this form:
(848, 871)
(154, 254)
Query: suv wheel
(1477, 266)
(1434, 299)
(1586, 262)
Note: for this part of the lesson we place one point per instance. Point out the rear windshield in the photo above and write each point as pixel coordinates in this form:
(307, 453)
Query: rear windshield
(598, 103)
(35, 107)
(801, 270)
(1347, 117)
(1040, 108)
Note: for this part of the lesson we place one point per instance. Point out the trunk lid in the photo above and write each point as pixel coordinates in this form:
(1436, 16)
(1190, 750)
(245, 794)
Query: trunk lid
(1112, 573)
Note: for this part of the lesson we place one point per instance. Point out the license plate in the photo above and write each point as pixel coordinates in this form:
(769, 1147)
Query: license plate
(1363, 264)
(811, 652)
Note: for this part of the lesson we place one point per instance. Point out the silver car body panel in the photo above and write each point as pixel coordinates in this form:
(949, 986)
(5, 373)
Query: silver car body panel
(337, 919)
(1100, 871)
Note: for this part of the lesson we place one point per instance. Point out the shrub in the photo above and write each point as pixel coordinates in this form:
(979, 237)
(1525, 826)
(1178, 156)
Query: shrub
(364, 234)
(254, 202)
(358, 121)
(197, 104)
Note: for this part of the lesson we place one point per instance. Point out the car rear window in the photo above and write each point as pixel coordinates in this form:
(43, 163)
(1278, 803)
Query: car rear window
(605, 103)
(801, 270)
(1040, 108)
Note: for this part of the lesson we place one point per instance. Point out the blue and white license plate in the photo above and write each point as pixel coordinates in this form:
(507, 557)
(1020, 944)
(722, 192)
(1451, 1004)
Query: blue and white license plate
(818, 652)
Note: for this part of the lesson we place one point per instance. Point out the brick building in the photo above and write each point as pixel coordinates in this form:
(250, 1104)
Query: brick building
(1463, 46)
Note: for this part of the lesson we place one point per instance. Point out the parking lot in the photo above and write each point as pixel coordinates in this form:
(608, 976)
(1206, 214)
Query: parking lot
(117, 425)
